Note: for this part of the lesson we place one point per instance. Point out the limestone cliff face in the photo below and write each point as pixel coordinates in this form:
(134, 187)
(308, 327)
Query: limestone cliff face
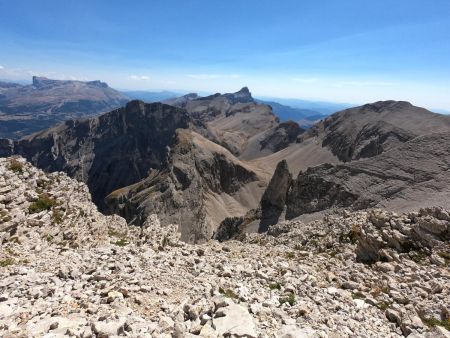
(107, 152)
(187, 190)
(281, 136)
(410, 176)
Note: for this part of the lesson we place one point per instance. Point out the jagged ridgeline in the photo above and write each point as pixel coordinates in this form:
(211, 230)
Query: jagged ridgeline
(204, 161)
(191, 164)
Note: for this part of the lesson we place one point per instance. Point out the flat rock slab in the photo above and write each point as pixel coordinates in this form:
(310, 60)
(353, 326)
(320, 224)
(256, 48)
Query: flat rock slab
(237, 322)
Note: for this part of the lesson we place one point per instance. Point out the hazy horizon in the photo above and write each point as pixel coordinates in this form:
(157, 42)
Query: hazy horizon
(333, 52)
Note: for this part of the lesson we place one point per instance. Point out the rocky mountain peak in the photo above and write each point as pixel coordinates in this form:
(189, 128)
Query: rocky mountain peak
(241, 96)
(244, 91)
(381, 106)
(40, 81)
(135, 106)
(98, 83)
(374, 128)
(191, 96)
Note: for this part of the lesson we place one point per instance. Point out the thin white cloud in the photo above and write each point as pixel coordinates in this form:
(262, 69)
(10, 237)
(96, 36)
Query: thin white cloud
(363, 84)
(206, 76)
(1, 67)
(305, 79)
(139, 77)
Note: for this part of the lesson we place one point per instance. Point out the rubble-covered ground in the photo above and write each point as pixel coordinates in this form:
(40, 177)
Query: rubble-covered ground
(67, 270)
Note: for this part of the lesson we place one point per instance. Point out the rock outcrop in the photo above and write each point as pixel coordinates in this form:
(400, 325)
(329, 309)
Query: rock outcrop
(270, 210)
(419, 233)
(28, 109)
(273, 201)
(281, 137)
(107, 152)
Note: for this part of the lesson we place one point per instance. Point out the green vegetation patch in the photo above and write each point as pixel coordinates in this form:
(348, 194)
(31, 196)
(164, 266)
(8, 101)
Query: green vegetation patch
(5, 262)
(44, 202)
(288, 299)
(275, 286)
(228, 293)
(16, 166)
(432, 322)
(121, 242)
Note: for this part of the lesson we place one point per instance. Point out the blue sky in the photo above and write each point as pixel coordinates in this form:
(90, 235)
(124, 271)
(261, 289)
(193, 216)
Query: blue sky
(346, 51)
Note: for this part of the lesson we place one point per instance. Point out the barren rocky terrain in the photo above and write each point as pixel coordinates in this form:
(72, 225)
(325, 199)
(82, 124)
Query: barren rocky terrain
(67, 270)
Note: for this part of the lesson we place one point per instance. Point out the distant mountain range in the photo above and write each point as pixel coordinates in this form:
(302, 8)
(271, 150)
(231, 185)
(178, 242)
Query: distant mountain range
(321, 107)
(28, 108)
(149, 97)
(25, 109)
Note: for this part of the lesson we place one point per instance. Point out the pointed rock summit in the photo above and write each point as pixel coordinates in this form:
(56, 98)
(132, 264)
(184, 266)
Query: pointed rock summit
(242, 96)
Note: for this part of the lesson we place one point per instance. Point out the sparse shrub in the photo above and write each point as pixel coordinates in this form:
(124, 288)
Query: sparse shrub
(121, 242)
(275, 286)
(432, 322)
(288, 299)
(417, 256)
(44, 202)
(290, 255)
(358, 295)
(5, 262)
(228, 293)
(445, 255)
(4, 217)
(16, 166)
(382, 306)
(57, 216)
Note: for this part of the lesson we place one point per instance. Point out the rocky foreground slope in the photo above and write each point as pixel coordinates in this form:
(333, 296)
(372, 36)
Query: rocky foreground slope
(67, 270)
